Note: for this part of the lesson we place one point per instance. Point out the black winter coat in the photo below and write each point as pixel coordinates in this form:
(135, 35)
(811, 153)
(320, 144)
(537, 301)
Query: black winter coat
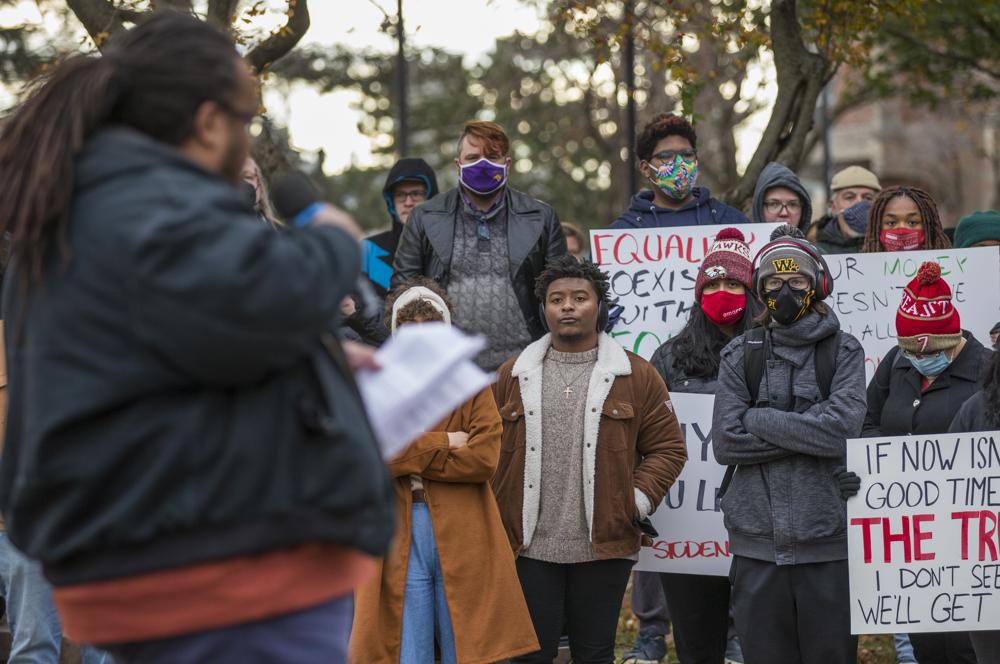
(972, 416)
(534, 236)
(171, 397)
(895, 405)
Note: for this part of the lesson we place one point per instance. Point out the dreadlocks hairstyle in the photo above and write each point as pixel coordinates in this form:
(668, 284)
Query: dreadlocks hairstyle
(567, 267)
(419, 309)
(934, 237)
(663, 125)
(152, 78)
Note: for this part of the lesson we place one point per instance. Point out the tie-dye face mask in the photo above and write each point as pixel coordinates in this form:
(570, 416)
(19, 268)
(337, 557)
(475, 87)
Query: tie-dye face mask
(677, 178)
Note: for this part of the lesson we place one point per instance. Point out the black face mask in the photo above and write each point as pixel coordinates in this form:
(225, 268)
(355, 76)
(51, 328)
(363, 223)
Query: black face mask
(787, 304)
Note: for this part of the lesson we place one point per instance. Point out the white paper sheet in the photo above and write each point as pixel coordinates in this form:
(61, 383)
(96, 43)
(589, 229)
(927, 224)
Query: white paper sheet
(427, 372)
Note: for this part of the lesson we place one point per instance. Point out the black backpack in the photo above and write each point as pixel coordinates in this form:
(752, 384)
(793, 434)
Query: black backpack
(755, 344)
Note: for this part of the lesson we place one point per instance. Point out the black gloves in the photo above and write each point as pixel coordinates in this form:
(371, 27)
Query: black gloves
(849, 482)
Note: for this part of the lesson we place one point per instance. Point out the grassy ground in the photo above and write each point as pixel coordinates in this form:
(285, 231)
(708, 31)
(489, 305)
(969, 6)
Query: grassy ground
(871, 650)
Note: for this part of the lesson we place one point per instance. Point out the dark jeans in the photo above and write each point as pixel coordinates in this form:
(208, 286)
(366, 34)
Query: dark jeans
(793, 614)
(987, 645)
(648, 603)
(699, 606)
(943, 648)
(314, 636)
(587, 596)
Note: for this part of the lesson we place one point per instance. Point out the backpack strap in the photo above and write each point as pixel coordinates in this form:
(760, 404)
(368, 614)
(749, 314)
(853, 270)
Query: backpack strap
(754, 353)
(825, 358)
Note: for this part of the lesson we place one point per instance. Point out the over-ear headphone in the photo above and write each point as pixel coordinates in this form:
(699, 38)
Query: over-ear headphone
(824, 280)
(603, 313)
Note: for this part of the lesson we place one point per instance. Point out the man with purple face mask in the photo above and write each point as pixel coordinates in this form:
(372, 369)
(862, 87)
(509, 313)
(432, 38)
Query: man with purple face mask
(484, 243)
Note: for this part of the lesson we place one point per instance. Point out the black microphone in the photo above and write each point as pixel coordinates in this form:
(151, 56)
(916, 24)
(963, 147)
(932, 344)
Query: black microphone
(297, 200)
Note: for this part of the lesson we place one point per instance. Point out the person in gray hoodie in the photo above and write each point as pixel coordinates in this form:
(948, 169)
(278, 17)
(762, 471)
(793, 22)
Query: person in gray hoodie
(784, 439)
(779, 197)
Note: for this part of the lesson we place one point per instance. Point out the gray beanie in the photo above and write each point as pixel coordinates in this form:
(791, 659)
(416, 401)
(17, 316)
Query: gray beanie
(784, 254)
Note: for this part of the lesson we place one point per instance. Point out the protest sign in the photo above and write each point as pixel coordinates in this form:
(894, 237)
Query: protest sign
(692, 538)
(924, 533)
(653, 271)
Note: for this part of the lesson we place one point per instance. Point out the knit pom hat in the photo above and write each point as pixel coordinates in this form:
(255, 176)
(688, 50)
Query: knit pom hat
(729, 258)
(785, 254)
(977, 227)
(926, 321)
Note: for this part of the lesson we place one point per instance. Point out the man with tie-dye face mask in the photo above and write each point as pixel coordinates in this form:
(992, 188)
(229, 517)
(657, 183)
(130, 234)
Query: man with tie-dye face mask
(667, 150)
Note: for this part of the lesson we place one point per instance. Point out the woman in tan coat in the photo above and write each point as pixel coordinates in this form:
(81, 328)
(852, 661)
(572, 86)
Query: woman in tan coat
(449, 576)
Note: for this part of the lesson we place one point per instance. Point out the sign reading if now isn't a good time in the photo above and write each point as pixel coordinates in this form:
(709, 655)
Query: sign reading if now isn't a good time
(924, 533)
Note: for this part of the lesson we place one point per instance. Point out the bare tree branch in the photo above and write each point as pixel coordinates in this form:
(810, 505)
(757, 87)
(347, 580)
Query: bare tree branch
(100, 18)
(284, 40)
(176, 5)
(222, 12)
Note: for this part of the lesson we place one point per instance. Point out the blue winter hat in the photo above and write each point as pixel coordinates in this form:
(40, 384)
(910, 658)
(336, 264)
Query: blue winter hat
(856, 216)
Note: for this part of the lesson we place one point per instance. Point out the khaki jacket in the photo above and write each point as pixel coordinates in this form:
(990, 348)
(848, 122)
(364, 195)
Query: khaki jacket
(633, 446)
(488, 612)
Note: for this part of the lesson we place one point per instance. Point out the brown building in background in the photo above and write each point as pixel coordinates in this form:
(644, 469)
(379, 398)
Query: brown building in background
(952, 151)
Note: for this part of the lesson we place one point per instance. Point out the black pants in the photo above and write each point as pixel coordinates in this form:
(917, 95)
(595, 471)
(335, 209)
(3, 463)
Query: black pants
(987, 645)
(793, 614)
(699, 606)
(943, 648)
(588, 596)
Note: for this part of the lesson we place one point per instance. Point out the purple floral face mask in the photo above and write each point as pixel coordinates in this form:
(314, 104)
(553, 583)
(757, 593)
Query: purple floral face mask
(483, 176)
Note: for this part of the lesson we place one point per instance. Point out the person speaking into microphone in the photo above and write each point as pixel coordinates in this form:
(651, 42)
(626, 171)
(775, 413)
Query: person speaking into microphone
(186, 451)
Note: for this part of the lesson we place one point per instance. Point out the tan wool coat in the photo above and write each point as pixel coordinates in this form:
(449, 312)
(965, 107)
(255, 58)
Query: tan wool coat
(488, 612)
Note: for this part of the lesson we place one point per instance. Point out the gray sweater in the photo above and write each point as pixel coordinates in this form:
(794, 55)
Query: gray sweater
(561, 535)
(784, 505)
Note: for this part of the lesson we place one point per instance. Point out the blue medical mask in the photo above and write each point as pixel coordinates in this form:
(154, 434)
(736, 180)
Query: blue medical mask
(929, 365)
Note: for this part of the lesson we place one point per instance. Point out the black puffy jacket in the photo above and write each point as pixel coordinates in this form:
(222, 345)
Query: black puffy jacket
(174, 393)
(533, 237)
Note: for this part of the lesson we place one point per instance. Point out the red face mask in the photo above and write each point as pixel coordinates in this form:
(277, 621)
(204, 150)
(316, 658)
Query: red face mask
(902, 239)
(723, 307)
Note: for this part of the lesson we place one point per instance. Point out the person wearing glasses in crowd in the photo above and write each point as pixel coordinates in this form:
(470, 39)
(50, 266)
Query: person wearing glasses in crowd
(410, 182)
(667, 149)
(780, 198)
(484, 243)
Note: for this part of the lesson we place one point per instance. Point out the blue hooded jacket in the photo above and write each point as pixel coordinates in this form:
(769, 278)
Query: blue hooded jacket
(702, 210)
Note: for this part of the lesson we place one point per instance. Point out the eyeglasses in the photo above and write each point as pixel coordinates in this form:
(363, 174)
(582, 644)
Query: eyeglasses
(775, 206)
(686, 154)
(418, 196)
(774, 283)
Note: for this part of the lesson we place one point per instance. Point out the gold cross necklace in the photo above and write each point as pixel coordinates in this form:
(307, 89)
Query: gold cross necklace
(568, 391)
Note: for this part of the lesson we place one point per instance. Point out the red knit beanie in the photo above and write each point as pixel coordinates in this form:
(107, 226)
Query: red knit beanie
(729, 258)
(926, 321)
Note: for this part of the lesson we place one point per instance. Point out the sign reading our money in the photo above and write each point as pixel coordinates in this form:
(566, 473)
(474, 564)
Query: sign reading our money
(924, 533)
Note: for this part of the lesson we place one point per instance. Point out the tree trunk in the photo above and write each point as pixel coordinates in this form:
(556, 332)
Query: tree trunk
(801, 76)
